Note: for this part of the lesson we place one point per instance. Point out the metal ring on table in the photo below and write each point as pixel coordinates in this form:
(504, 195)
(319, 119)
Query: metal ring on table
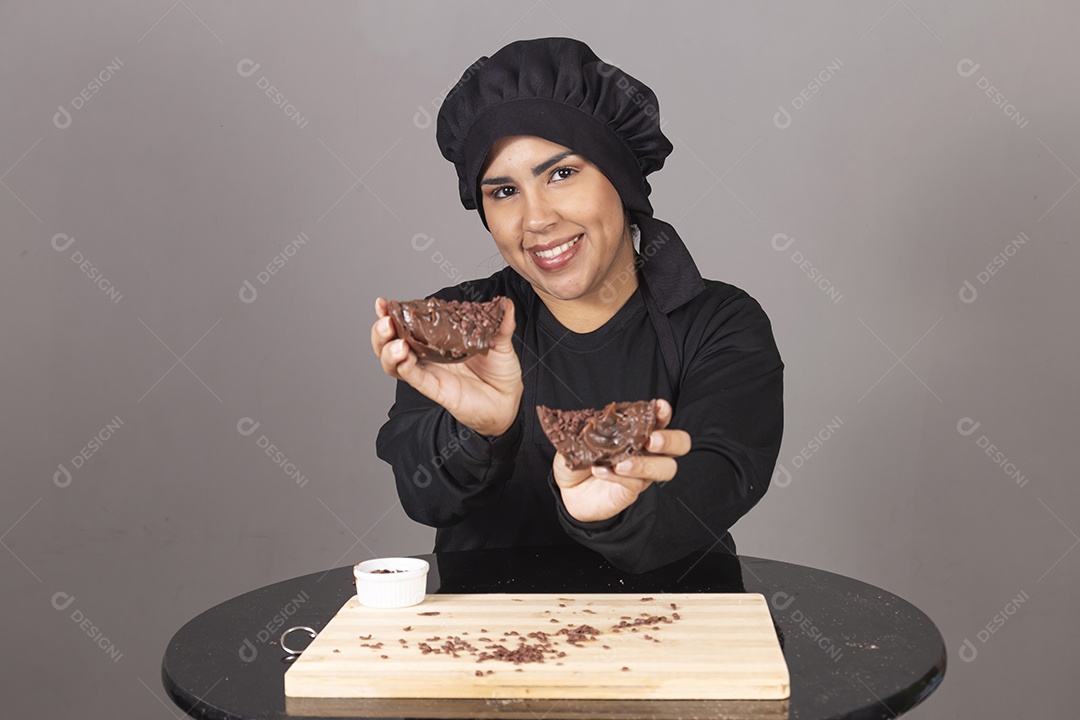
(285, 647)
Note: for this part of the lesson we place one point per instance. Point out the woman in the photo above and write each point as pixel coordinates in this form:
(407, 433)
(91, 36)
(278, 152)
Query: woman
(551, 147)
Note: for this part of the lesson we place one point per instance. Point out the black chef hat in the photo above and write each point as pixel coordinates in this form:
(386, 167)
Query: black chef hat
(558, 89)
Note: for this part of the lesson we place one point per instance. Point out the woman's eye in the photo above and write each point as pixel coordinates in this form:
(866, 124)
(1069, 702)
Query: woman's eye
(496, 193)
(568, 170)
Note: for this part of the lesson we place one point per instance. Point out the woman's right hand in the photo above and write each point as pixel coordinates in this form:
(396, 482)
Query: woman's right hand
(483, 392)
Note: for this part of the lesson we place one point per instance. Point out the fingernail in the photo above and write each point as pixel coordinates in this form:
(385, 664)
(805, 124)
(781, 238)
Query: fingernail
(399, 347)
(624, 466)
(656, 441)
(600, 471)
(384, 325)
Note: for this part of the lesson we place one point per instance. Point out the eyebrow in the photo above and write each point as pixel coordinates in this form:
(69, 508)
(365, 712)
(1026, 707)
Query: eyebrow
(535, 171)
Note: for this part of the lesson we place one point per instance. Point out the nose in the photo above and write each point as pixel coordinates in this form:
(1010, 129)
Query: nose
(540, 214)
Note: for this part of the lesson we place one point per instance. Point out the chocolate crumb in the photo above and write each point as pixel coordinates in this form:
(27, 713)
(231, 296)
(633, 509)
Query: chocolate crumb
(624, 668)
(648, 599)
(336, 650)
(434, 612)
(674, 606)
(479, 673)
(407, 628)
(385, 657)
(490, 672)
(384, 571)
(518, 670)
(562, 604)
(553, 620)
(675, 615)
(365, 637)
(587, 610)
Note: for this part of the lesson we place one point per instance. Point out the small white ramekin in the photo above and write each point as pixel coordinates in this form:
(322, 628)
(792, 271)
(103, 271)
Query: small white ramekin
(391, 590)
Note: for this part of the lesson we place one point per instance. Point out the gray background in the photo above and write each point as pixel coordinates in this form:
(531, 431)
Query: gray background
(179, 179)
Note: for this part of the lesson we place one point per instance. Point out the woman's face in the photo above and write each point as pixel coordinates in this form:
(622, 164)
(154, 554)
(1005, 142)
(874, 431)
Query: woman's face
(556, 219)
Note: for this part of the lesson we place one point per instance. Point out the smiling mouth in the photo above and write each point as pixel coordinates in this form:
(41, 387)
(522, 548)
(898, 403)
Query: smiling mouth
(557, 251)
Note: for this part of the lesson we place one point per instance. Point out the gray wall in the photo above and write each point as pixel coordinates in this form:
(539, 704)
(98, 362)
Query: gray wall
(893, 175)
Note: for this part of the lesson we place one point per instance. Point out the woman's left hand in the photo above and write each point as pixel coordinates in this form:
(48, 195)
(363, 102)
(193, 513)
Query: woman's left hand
(598, 493)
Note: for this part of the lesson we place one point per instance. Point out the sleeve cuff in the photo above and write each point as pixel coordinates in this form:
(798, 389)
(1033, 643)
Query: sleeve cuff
(584, 529)
(486, 447)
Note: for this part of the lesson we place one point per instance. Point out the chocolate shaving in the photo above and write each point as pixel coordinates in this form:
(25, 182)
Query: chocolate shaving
(599, 437)
(446, 331)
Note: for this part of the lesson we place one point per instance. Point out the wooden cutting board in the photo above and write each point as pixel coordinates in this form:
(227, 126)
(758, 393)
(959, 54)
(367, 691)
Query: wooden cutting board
(685, 646)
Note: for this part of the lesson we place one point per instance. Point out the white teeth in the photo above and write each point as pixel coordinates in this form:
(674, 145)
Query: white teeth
(556, 252)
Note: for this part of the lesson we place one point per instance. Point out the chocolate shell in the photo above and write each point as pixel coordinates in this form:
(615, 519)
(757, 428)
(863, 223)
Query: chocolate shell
(446, 331)
(599, 437)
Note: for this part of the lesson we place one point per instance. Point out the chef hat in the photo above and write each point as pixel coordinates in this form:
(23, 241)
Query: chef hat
(558, 89)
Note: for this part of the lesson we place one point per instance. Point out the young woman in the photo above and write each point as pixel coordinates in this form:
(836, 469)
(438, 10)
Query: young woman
(604, 304)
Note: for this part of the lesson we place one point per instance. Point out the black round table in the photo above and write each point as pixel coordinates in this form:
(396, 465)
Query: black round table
(853, 650)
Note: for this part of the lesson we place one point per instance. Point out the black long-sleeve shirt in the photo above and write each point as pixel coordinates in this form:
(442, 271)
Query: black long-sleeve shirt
(482, 492)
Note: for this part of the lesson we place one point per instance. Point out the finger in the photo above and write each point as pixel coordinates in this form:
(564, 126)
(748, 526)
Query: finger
(381, 307)
(663, 413)
(505, 334)
(669, 442)
(642, 467)
(382, 332)
(564, 476)
(634, 484)
(422, 377)
(392, 355)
